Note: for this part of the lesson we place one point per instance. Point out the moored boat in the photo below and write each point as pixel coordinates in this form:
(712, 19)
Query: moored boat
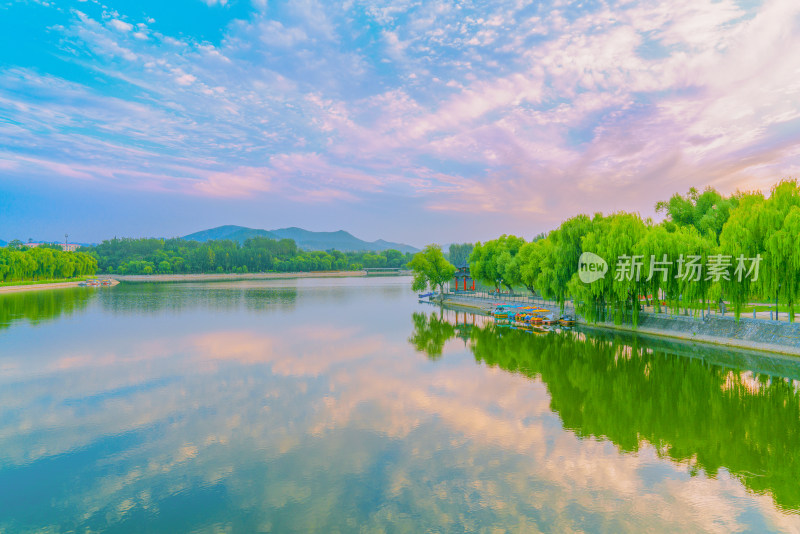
(549, 319)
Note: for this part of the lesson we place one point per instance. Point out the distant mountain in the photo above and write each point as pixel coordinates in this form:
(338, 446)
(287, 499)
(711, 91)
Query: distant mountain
(339, 240)
(234, 233)
(3, 243)
(305, 239)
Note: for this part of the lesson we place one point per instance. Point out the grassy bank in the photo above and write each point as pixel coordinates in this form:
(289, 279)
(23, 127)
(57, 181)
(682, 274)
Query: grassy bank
(42, 282)
(41, 285)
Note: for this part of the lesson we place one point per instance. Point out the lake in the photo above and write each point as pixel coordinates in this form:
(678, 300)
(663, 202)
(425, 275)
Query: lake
(344, 405)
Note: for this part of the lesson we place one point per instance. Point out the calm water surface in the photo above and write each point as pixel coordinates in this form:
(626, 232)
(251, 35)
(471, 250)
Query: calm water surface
(345, 405)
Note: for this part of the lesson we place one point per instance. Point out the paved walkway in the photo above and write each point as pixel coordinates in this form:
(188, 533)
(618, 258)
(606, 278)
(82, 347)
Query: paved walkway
(771, 336)
(490, 298)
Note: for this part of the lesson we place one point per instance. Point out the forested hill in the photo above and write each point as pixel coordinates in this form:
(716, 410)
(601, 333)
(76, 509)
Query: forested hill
(305, 239)
(231, 232)
(340, 240)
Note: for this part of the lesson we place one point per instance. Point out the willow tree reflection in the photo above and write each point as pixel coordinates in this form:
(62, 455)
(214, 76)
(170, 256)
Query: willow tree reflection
(704, 415)
(430, 334)
(39, 306)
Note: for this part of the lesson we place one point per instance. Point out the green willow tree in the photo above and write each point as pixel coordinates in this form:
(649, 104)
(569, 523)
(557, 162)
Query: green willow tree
(783, 252)
(458, 254)
(431, 269)
(765, 227)
(35, 264)
(706, 211)
(707, 250)
(613, 238)
(493, 262)
(529, 263)
(562, 257)
(780, 244)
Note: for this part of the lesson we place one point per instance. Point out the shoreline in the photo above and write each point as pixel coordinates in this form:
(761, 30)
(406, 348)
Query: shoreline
(704, 339)
(173, 278)
(220, 277)
(45, 286)
(693, 330)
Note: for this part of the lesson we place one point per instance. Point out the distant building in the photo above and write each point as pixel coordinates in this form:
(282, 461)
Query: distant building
(464, 281)
(67, 247)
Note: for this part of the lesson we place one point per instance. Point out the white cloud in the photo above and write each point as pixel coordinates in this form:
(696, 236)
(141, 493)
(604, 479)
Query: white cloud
(500, 108)
(120, 25)
(274, 33)
(185, 79)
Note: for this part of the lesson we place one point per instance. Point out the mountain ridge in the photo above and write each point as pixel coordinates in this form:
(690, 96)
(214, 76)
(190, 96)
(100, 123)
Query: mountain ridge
(228, 231)
(306, 239)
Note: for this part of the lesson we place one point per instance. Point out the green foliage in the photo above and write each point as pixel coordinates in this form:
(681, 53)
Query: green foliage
(766, 227)
(660, 260)
(562, 257)
(493, 262)
(431, 269)
(430, 334)
(707, 212)
(39, 306)
(530, 260)
(783, 252)
(612, 238)
(458, 254)
(257, 254)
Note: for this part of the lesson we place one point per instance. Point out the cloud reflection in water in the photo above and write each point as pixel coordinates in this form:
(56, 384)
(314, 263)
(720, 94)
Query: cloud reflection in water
(319, 416)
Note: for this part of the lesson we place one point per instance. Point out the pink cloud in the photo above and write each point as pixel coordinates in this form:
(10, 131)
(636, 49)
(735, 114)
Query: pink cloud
(239, 182)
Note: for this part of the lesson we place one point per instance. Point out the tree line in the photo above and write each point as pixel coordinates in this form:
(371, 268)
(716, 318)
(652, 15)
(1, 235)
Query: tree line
(739, 249)
(259, 254)
(24, 264)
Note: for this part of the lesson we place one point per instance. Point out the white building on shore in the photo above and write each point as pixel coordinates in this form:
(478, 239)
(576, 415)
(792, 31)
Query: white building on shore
(67, 247)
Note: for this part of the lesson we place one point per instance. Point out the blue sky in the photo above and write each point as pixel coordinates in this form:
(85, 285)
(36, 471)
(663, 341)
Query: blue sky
(414, 121)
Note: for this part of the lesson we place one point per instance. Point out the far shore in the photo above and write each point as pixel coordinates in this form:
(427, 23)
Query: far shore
(232, 276)
(45, 285)
(211, 277)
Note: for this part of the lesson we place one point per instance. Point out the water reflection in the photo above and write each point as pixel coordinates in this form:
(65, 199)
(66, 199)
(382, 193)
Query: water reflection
(150, 298)
(321, 416)
(695, 411)
(35, 307)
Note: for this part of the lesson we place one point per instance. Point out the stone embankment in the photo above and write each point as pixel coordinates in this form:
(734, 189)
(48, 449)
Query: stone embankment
(756, 334)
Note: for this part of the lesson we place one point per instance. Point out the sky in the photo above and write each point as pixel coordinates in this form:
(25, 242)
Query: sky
(412, 121)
